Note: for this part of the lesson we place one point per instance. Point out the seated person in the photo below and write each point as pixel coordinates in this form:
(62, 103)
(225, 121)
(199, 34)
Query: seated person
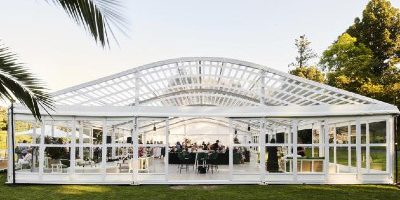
(25, 160)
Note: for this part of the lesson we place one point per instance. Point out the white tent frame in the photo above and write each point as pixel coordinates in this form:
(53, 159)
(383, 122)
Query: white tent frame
(207, 87)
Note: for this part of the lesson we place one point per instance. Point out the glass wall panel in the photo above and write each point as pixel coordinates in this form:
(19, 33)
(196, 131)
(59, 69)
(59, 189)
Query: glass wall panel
(56, 160)
(363, 133)
(377, 132)
(353, 134)
(342, 156)
(27, 132)
(363, 157)
(27, 159)
(151, 159)
(377, 159)
(342, 135)
(91, 161)
(353, 155)
(342, 152)
(245, 160)
(277, 159)
(58, 132)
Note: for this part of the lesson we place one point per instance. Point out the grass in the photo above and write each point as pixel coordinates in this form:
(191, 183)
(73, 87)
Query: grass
(148, 192)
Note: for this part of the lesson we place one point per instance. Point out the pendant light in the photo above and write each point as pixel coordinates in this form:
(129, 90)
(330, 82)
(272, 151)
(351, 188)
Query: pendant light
(248, 127)
(154, 127)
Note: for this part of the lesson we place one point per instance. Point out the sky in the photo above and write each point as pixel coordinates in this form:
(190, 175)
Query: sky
(62, 54)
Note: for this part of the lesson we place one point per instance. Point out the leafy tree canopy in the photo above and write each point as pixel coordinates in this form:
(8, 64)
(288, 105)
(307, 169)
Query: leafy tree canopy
(379, 30)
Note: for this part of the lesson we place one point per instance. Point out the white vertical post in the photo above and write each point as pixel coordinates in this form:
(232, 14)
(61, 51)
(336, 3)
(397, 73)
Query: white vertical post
(349, 146)
(390, 155)
(367, 160)
(358, 147)
(41, 149)
(230, 149)
(321, 140)
(262, 148)
(104, 149)
(11, 156)
(326, 143)
(135, 149)
(81, 140)
(73, 149)
(334, 145)
(166, 146)
(294, 133)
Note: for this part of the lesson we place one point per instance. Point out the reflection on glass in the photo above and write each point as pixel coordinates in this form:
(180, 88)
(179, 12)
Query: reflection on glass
(377, 159)
(377, 132)
(342, 135)
(363, 133)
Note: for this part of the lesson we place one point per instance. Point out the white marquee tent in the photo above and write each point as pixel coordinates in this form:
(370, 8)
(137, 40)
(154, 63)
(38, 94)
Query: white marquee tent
(273, 127)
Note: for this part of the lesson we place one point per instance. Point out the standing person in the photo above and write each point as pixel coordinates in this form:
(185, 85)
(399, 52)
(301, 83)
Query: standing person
(178, 146)
(204, 145)
(215, 146)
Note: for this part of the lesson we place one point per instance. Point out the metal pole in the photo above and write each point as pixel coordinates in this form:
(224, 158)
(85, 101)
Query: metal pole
(12, 141)
(395, 151)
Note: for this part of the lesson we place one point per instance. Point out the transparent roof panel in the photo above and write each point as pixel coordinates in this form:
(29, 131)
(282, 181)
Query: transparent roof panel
(207, 82)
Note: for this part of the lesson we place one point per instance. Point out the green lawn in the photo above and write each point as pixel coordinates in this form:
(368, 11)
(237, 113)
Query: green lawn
(148, 192)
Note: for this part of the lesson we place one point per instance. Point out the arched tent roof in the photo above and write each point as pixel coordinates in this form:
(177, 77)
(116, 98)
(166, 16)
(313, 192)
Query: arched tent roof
(205, 81)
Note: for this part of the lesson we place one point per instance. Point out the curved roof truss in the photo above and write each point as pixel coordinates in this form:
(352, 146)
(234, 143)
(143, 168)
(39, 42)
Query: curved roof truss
(205, 81)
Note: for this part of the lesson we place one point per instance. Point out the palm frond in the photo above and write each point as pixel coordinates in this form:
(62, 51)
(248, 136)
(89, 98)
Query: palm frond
(98, 17)
(17, 83)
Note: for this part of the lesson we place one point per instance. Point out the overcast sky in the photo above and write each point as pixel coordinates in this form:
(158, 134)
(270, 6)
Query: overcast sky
(260, 31)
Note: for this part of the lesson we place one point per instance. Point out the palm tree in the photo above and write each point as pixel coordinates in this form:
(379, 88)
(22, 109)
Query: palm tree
(98, 17)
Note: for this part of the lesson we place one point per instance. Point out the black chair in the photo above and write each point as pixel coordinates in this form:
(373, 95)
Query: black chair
(202, 159)
(183, 161)
(213, 161)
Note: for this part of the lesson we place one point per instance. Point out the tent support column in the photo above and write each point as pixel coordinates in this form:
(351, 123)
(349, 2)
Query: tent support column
(42, 148)
(166, 151)
(81, 140)
(325, 138)
(395, 146)
(72, 150)
(231, 149)
(135, 150)
(11, 144)
(262, 148)
(104, 149)
(358, 147)
(294, 134)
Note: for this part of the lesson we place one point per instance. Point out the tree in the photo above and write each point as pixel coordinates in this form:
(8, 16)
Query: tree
(305, 54)
(347, 63)
(18, 84)
(364, 59)
(379, 30)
